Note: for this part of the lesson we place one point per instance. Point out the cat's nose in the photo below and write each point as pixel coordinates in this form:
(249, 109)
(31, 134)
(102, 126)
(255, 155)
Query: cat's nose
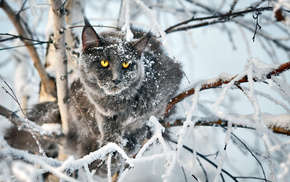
(116, 81)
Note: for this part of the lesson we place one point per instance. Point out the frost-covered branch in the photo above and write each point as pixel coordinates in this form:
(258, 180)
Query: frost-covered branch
(19, 122)
(30, 126)
(48, 83)
(278, 124)
(222, 81)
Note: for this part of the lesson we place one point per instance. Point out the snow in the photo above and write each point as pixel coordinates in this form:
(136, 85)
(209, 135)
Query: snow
(212, 56)
(258, 69)
(99, 154)
(281, 121)
(52, 128)
(126, 27)
(281, 88)
(24, 172)
(109, 174)
(224, 153)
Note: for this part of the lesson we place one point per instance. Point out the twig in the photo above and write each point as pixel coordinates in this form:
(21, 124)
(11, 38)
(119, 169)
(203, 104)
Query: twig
(234, 3)
(257, 23)
(227, 173)
(21, 38)
(26, 45)
(203, 170)
(205, 158)
(14, 97)
(120, 12)
(260, 164)
(63, 4)
(21, 9)
(184, 28)
(102, 26)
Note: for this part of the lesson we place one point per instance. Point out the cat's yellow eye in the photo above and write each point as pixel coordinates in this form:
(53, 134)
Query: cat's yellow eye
(125, 64)
(105, 63)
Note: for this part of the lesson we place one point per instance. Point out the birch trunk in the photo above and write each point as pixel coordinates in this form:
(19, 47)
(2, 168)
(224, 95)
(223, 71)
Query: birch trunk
(75, 16)
(61, 64)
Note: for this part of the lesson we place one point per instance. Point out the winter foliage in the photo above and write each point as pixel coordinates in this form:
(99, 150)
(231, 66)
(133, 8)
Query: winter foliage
(232, 116)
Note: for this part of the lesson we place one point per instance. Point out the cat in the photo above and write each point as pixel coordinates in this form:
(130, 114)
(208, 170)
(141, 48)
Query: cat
(122, 83)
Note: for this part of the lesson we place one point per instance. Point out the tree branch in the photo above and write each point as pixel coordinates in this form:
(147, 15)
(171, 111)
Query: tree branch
(21, 38)
(36, 129)
(222, 123)
(244, 24)
(282, 68)
(220, 18)
(45, 79)
(275, 72)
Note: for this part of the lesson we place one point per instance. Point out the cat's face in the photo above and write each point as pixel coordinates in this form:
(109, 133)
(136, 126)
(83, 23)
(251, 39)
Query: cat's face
(110, 62)
(114, 68)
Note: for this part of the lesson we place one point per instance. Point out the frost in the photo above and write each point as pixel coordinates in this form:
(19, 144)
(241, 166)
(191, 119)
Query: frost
(25, 172)
(224, 154)
(221, 76)
(282, 121)
(156, 27)
(280, 3)
(285, 166)
(126, 27)
(52, 128)
(258, 68)
(99, 154)
(281, 88)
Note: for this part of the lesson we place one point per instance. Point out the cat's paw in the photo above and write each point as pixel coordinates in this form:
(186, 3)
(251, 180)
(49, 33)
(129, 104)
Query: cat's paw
(101, 166)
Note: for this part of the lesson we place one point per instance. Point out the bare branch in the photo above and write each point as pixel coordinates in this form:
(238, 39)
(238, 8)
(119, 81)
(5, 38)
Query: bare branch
(7, 48)
(243, 23)
(219, 19)
(257, 23)
(45, 79)
(21, 38)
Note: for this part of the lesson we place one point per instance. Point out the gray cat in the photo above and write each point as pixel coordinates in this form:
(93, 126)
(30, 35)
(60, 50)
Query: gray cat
(122, 83)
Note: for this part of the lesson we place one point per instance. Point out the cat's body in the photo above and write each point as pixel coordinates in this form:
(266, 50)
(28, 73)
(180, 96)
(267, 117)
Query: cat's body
(123, 98)
(121, 85)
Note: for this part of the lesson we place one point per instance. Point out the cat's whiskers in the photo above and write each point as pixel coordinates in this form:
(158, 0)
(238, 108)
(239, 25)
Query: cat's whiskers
(137, 92)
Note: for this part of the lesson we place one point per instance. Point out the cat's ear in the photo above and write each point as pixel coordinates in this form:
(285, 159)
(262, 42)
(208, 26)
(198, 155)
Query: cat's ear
(89, 36)
(141, 44)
